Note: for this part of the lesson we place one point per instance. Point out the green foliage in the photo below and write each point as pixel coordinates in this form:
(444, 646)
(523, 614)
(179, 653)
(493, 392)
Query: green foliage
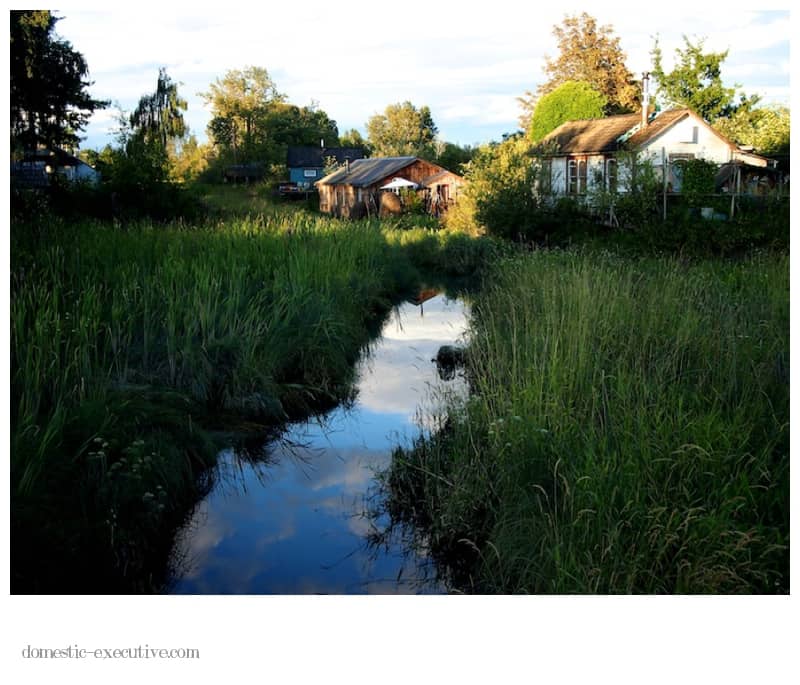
(49, 100)
(499, 188)
(353, 138)
(570, 101)
(696, 82)
(158, 118)
(453, 157)
(402, 130)
(129, 344)
(767, 129)
(626, 432)
(593, 55)
(187, 159)
(138, 173)
(697, 176)
(252, 122)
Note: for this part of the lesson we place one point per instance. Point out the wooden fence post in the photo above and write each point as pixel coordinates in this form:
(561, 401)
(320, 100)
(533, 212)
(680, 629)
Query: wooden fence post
(664, 182)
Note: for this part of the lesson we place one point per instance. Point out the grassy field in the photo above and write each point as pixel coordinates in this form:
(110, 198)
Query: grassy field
(627, 431)
(131, 344)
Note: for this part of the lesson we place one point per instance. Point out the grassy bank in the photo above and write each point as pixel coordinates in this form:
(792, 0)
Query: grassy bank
(129, 345)
(627, 431)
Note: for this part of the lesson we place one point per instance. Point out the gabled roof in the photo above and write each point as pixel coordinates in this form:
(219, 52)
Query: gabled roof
(298, 156)
(620, 132)
(660, 123)
(366, 172)
(590, 135)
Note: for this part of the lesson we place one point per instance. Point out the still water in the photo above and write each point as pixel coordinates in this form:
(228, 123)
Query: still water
(296, 519)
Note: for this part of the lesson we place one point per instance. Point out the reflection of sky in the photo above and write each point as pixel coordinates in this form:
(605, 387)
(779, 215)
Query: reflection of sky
(296, 523)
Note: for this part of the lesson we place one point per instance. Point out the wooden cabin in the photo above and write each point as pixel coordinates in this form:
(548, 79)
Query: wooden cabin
(357, 189)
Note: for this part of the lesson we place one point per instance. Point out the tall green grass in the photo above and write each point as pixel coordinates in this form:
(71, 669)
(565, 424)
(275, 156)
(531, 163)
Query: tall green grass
(129, 343)
(627, 431)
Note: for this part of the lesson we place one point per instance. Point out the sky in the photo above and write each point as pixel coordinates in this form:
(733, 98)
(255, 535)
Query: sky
(469, 62)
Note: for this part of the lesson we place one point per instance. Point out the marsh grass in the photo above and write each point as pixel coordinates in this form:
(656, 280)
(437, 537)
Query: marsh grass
(130, 343)
(627, 431)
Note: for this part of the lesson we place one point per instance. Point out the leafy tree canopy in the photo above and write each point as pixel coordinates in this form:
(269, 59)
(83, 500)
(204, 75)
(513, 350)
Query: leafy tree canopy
(765, 128)
(158, 118)
(454, 157)
(402, 130)
(696, 82)
(49, 100)
(253, 122)
(353, 138)
(592, 54)
(569, 101)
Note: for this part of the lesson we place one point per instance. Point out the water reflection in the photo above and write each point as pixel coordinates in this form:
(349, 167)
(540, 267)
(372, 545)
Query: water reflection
(296, 519)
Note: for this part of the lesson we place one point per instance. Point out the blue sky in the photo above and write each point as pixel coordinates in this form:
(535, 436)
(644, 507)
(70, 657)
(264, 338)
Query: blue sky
(467, 61)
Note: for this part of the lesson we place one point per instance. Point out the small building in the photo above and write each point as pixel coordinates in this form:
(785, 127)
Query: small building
(243, 173)
(580, 156)
(307, 163)
(36, 169)
(357, 189)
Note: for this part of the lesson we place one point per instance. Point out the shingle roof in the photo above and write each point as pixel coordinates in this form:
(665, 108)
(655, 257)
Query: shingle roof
(298, 156)
(610, 133)
(590, 135)
(366, 172)
(658, 125)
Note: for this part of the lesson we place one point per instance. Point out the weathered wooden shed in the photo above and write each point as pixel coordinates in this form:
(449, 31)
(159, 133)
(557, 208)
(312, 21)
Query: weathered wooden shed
(354, 190)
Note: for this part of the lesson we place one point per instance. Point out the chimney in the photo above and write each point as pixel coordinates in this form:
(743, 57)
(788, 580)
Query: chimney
(645, 98)
(347, 165)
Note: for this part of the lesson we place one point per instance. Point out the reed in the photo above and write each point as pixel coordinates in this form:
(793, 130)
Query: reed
(129, 343)
(627, 430)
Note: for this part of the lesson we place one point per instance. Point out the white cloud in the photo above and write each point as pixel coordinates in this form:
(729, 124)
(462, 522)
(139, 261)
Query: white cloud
(468, 62)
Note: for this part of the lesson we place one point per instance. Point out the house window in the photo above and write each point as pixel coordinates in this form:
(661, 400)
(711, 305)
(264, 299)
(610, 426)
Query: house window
(546, 176)
(310, 173)
(577, 176)
(611, 175)
(695, 135)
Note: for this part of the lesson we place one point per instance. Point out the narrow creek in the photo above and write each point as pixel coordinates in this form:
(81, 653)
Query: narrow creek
(295, 519)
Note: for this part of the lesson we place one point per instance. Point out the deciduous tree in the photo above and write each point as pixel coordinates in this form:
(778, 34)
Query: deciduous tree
(402, 130)
(353, 138)
(569, 101)
(696, 81)
(765, 128)
(253, 122)
(589, 53)
(238, 101)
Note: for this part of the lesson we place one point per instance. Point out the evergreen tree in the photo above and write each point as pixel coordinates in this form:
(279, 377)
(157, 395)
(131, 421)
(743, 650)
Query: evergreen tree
(49, 100)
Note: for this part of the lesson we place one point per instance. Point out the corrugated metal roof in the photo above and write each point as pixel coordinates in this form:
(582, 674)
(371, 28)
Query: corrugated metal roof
(366, 172)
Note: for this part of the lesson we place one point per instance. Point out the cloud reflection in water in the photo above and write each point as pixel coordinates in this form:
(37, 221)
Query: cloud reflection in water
(296, 524)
